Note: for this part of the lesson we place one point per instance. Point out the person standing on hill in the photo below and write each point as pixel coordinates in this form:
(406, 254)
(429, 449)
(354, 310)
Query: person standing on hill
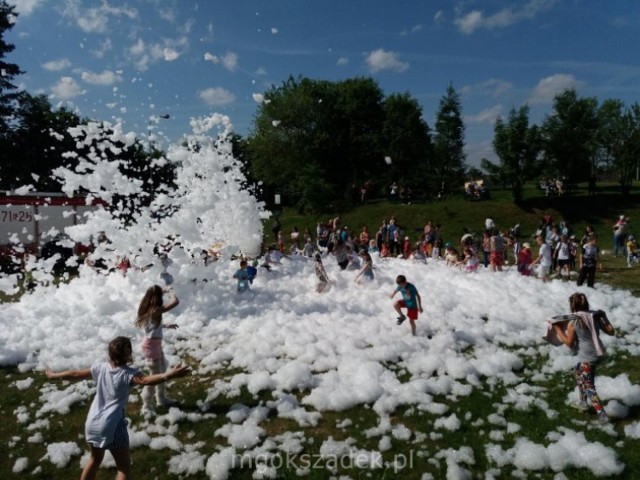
(589, 261)
(544, 259)
(496, 257)
(620, 236)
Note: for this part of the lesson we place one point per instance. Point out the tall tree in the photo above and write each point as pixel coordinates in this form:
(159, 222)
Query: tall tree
(450, 158)
(619, 139)
(517, 146)
(307, 129)
(35, 144)
(406, 139)
(8, 71)
(570, 136)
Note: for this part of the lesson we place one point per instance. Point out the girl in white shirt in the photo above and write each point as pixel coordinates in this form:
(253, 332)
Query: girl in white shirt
(106, 427)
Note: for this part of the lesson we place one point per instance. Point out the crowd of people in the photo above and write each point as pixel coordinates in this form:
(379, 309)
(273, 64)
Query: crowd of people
(554, 250)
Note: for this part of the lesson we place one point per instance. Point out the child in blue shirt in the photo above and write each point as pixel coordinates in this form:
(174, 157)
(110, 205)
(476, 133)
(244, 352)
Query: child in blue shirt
(242, 276)
(411, 300)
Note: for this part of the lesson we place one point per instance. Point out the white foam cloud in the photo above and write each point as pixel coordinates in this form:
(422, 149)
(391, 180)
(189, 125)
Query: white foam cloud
(216, 96)
(549, 87)
(381, 59)
(342, 61)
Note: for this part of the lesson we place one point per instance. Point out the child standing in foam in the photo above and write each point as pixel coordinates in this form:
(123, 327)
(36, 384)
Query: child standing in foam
(584, 330)
(149, 318)
(411, 300)
(106, 427)
(544, 259)
(242, 276)
(366, 271)
(321, 274)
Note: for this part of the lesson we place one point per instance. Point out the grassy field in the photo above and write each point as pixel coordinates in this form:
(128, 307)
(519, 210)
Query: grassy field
(427, 446)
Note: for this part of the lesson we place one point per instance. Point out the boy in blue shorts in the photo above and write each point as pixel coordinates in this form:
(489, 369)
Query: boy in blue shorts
(411, 300)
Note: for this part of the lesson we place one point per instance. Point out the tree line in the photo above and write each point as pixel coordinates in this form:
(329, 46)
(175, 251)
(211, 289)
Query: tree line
(314, 140)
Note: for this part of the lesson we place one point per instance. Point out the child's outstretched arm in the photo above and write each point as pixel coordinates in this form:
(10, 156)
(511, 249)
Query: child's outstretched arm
(83, 374)
(177, 371)
(173, 300)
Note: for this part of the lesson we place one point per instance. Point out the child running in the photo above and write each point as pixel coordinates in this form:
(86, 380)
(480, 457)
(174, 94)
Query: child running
(106, 427)
(149, 318)
(411, 300)
(584, 329)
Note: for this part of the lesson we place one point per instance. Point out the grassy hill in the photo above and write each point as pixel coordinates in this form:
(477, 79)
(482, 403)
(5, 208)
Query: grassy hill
(456, 214)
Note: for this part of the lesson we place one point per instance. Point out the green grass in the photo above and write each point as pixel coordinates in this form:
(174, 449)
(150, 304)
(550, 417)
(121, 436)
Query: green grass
(426, 441)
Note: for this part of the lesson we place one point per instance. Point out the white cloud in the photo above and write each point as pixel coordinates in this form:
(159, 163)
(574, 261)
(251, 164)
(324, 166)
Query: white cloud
(57, 65)
(342, 61)
(66, 88)
(261, 71)
(382, 60)
(494, 87)
(476, 19)
(25, 8)
(258, 97)
(107, 77)
(143, 55)
(274, 30)
(210, 57)
(438, 17)
(170, 54)
(105, 47)
(95, 19)
(487, 115)
(549, 87)
(229, 60)
(216, 96)
(414, 29)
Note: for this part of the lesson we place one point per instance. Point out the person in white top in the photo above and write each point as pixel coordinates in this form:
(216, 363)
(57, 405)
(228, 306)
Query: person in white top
(544, 259)
(149, 318)
(106, 427)
(563, 255)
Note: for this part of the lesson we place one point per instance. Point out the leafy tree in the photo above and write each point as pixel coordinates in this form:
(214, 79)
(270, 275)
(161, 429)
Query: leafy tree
(570, 135)
(619, 139)
(407, 141)
(517, 146)
(332, 127)
(449, 165)
(9, 71)
(35, 144)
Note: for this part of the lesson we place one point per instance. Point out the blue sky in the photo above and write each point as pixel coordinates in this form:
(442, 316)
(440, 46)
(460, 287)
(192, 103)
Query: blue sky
(143, 58)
